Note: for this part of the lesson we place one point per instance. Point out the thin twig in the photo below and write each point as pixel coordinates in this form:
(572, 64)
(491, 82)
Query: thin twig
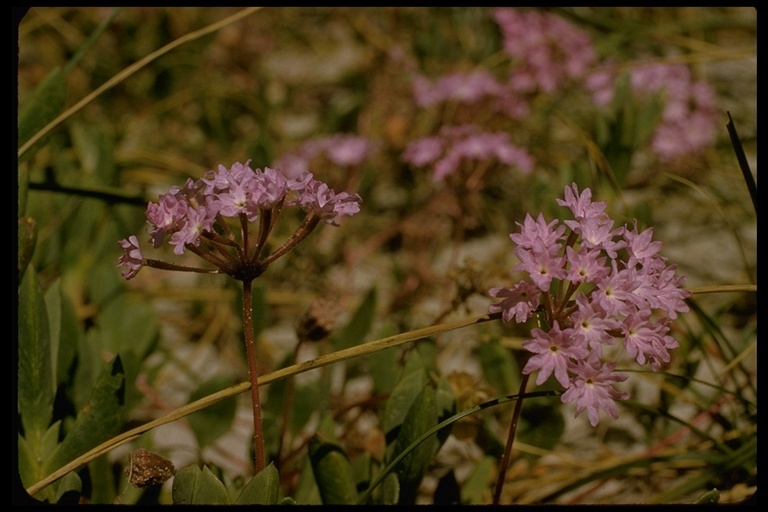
(510, 440)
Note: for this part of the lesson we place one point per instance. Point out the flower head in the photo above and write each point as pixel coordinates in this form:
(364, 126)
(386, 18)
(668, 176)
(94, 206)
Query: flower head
(596, 284)
(197, 217)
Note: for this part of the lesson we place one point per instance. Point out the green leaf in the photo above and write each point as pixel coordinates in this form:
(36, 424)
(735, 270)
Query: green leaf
(427, 351)
(383, 368)
(355, 331)
(475, 489)
(541, 424)
(413, 363)
(27, 240)
(33, 467)
(708, 498)
(193, 486)
(127, 324)
(306, 492)
(400, 400)
(22, 182)
(422, 416)
(445, 404)
(69, 339)
(332, 470)
(53, 306)
(102, 481)
(105, 284)
(88, 366)
(100, 419)
(361, 469)
(35, 378)
(215, 420)
(33, 457)
(499, 367)
(390, 490)
(94, 148)
(306, 400)
(263, 488)
(132, 367)
(41, 107)
(68, 489)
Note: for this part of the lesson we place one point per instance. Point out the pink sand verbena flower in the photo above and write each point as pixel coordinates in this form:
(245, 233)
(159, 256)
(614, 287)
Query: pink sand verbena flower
(597, 285)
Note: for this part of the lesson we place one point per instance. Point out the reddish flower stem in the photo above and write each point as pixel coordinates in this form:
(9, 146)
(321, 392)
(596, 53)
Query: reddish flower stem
(309, 223)
(258, 433)
(510, 439)
(182, 268)
(265, 226)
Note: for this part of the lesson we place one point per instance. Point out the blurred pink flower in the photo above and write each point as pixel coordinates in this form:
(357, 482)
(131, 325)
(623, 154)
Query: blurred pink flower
(689, 120)
(547, 51)
(454, 144)
(347, 150)
(342, 149)
(458, 87)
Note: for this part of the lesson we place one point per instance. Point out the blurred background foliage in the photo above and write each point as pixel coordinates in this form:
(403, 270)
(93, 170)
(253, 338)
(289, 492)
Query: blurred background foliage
(420, 251)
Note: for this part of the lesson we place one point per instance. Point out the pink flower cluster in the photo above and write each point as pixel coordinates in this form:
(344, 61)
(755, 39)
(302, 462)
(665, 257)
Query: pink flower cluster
(342, 149)
(197, 211)
(546, 49)
(458, 87)
(596, 284)
(689, 120)
(454, 144)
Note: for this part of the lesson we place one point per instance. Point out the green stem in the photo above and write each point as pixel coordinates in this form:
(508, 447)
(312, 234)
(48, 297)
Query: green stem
(510, 440)
(258, 433)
